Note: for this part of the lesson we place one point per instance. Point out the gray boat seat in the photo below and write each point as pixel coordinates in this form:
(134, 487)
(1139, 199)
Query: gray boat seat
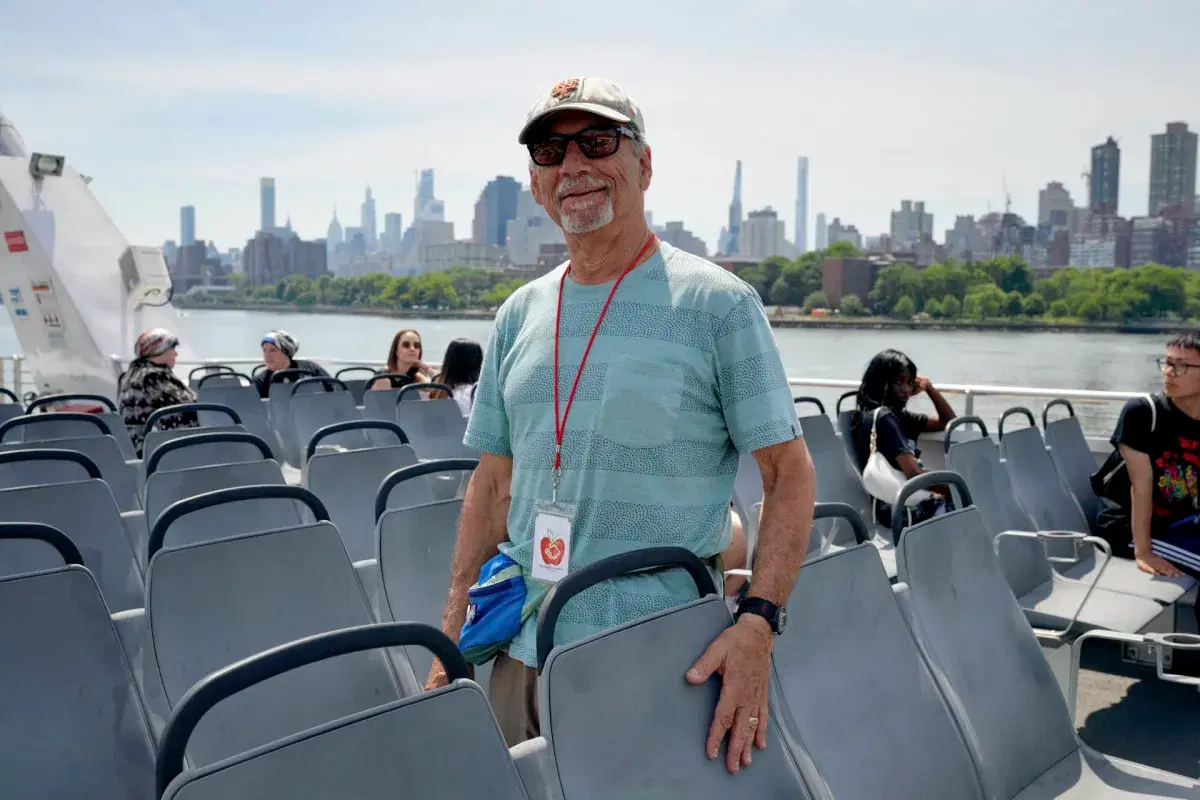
(435, 428)
(1052, 507)
(357, 386)
(10, 405)
(32, 427)
(644, 737)
(440, 744)
(846, 431)
(380, 404)
(233, 511)
(866, 683)
(86, 513)
(426, 482)
(279, 412)
(214, 603)
(73, 723)
(1001, 688)
(416, 546)
(157, 438)
(1072, 457)
(244, 400)
(348, 482)
(167, 487)
(313, 411)
(36, 466)
(202, 448)
(120, 475)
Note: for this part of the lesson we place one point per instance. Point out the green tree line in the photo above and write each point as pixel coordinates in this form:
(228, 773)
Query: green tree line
(457, 288)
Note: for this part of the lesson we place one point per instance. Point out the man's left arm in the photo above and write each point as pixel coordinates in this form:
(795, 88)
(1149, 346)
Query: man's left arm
(761, 418)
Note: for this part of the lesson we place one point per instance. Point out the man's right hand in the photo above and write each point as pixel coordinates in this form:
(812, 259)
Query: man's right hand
(1157, 565)
(437, 677)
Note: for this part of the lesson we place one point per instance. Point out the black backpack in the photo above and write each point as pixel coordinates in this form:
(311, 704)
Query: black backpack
(1110, 483)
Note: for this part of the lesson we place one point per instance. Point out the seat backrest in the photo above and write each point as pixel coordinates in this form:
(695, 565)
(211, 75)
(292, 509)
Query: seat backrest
(116, 424)
(348, 482)
(55, 425)
(598, 725)
(846, 429)
(837, 481)
(166, 487)
(398, 749)
(239, 510)
(205, 449)
(416, 546)
(866, 681)
(105, 453)
(215, 603)
(1039, 488)
(978, 462)
(242, 399)
(313, 411)
(357, 386)
(86, 513)
(380, 404)
(435, 428)
(74, 724)
(36, 466)
(985, 657)
(156, 438)
(1075, 463)
(10, 410)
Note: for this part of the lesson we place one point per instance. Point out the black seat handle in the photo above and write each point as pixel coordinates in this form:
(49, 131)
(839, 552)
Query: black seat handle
(234, 494)
(17, 456)
(326, 381)
(258, 368)
(263, 666)
(815, 401)
(239, 375)
(1016, 411)
(416, 471)
(202, 437)
(353, 425)
(1058, 401)
(57, 416)
(844, 511)
(607, 569)
(923, 481)
(211, 369)
(285, 374)
(414, 387)
(64, 398)
(45, 533)
(344, 370)
(184, 408)
(959, 422)
(11, 395)
(837, 409)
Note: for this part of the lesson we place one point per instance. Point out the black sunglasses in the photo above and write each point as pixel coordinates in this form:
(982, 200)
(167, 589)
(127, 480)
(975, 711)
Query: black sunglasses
(593, 143)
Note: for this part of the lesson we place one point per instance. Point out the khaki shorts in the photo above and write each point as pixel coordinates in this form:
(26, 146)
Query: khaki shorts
(512, 690)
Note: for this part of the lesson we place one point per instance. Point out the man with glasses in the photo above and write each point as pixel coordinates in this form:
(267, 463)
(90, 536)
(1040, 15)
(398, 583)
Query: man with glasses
(615, 397)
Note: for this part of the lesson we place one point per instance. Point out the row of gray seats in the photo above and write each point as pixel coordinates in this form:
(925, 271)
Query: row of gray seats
(950, 678)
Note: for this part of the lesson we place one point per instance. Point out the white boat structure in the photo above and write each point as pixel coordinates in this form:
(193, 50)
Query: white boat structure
(250, 609)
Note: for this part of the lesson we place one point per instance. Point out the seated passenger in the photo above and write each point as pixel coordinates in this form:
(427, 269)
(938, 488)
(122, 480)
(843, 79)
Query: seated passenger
(279, 354)
(404, 362)
(150, 383)
(460, 371)
(889, 382)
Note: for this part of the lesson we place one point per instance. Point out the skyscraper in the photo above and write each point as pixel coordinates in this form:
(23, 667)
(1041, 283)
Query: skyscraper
(497, 204)
(733, 236)
(1105, 178)
(802, 205)
(393, 233)
(1054, 201)
(424, 194)
(369, 221)
(1172, 168)
(266, 203)
(821, 234)
(187, 225)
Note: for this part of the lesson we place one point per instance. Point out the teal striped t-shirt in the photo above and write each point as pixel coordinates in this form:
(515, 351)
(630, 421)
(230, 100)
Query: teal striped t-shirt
(684, 375)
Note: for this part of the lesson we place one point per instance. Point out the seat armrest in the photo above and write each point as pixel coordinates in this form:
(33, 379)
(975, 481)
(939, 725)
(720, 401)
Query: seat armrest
(1159, 642)
(535, 765)
(1058, 536)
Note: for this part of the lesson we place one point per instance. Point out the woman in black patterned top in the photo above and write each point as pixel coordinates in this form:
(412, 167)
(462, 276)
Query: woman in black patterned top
(151, 384)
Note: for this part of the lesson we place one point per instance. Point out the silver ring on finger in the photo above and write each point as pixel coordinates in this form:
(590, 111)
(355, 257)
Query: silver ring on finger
(753, 722)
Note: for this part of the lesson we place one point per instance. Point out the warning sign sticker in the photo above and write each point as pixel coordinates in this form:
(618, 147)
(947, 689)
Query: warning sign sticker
(16, 241)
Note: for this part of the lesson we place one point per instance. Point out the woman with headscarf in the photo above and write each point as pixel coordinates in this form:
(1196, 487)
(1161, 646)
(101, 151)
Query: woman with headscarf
(150, 383)
(279, 353)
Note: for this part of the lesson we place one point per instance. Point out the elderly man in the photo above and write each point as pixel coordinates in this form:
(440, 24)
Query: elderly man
(615, 397)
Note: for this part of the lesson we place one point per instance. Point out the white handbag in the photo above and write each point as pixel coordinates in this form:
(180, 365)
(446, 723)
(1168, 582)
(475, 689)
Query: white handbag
(883, 481)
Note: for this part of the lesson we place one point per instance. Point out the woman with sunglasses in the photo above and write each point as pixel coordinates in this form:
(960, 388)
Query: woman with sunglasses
(404, 362)
(150, 383)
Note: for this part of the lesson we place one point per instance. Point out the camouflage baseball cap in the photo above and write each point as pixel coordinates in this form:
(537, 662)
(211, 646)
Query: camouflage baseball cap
(594, 95)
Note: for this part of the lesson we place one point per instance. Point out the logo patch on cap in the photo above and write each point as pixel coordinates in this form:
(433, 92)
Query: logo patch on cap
(564, 89)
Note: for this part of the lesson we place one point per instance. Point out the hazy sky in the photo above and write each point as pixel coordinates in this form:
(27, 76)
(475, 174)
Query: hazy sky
(168, 104)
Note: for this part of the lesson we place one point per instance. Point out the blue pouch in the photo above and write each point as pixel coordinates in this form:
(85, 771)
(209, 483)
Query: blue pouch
(497, 606)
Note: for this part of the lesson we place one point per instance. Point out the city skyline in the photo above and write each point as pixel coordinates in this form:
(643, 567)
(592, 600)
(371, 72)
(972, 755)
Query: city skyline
(1007, 103)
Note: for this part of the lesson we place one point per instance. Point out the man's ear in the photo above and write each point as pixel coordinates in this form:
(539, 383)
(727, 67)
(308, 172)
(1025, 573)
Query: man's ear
(646, 167)
(535, 186)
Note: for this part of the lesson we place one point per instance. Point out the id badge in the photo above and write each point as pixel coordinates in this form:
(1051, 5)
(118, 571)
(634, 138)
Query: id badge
(552, 540)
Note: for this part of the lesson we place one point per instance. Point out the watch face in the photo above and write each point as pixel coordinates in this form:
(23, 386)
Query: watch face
(781, 620)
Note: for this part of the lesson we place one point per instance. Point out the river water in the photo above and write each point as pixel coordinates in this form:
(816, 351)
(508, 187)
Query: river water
(1084, 360)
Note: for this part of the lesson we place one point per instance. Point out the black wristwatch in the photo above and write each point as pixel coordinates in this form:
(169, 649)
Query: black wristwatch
(776, 616)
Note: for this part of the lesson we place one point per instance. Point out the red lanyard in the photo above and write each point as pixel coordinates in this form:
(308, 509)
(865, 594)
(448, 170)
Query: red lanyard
(560, 427)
